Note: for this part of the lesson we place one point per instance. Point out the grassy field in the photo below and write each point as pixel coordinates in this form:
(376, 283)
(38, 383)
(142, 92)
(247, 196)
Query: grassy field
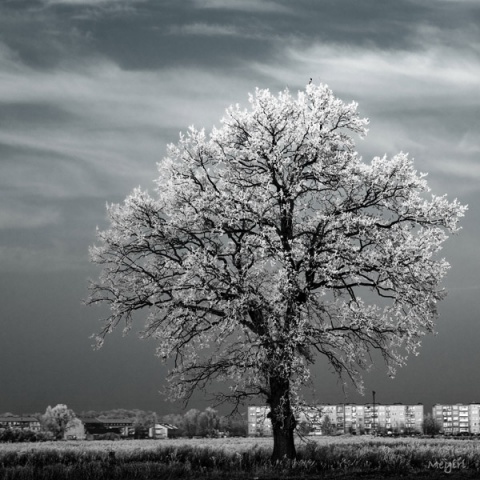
(241, 458)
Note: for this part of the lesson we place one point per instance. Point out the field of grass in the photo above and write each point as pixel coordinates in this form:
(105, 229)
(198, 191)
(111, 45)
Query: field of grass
(241, 458)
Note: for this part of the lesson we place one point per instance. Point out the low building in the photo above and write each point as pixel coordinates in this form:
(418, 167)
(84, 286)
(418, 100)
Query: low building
(21, 422)
(161, 431)
(75, 430)
(100, 426)
(122, 426)
(92, 426)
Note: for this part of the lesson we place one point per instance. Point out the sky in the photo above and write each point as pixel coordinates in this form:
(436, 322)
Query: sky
(92, 91)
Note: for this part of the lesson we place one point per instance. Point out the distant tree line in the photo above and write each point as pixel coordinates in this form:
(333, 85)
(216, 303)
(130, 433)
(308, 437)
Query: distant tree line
(193, 423)
(15, 435)
(53, 424)
(208, 423)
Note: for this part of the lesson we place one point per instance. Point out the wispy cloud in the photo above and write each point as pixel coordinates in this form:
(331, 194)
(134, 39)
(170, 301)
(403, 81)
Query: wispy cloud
(218, 30)
(92, 10)
(110, 120)
(27, 216)
(242, 5)
(90, 3)
(423, 73)
(424, 101)
(206, 29)
(106, 126)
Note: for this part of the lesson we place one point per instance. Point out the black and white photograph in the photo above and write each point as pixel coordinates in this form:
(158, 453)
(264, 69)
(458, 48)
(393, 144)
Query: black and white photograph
(239, 239)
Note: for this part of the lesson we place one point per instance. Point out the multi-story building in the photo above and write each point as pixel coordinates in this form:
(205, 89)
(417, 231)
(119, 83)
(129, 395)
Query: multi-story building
(396, 418)
(349, 418)
(457, 418)
(354, 418)
(414, 415)
(259, 425)
(474, 418)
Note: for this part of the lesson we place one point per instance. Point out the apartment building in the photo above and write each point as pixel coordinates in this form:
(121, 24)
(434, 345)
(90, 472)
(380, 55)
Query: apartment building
(349, 418)
(414, 415)
(459, 418)
(353, 418)
(474, 418)
(344, 418)
(259, 425)
(315, 416)
(382, 418)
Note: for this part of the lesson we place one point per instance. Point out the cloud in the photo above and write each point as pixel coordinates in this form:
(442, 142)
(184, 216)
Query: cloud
(242, 5)
(218, 30)
(424, 101)
(112, 124)
(93, 10)
(90, 3)
(94, 129)
(455, 3)
(426, 74)
(21, 259)
(87, 127)
(206, 29)
(21, 216)
(114, 99)
(461, 41)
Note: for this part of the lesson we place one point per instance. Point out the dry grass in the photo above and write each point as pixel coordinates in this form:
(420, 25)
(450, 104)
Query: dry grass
(241, 458)
(237, 444)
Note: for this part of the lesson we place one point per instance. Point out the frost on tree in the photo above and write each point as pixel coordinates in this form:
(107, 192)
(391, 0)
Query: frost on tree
(270, 242)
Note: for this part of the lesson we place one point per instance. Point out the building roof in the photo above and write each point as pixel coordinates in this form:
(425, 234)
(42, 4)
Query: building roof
(15, 418)
(116, 421)
(90, 420)
(166, 425)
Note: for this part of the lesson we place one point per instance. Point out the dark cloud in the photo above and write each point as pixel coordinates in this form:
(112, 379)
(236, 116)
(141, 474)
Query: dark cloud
(155, 35)
(38, 37)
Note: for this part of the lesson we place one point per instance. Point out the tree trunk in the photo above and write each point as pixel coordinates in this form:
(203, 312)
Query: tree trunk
(283, 420)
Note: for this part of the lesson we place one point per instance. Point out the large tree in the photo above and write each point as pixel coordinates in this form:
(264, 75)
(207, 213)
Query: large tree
(56, 419)
(270, 242)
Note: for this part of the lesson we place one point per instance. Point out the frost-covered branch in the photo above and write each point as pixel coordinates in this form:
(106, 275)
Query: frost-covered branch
(271, 242)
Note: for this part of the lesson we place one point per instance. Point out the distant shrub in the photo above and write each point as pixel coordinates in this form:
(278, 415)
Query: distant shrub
(108, 436)
(11, 435)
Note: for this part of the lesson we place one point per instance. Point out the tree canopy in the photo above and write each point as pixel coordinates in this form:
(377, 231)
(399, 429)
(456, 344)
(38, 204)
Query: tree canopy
(56, 419)
(270, 242)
